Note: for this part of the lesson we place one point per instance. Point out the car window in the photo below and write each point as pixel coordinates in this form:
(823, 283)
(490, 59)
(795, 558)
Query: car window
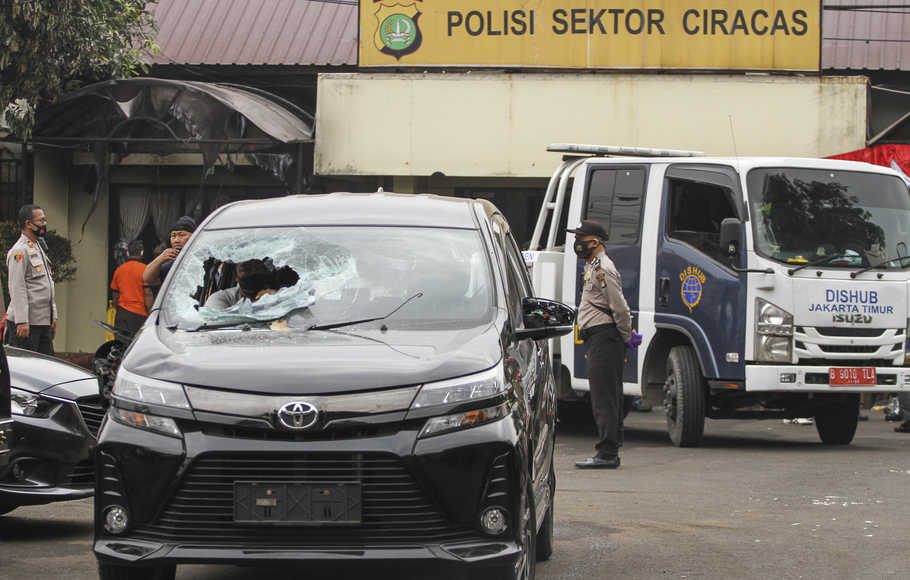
(309, 276)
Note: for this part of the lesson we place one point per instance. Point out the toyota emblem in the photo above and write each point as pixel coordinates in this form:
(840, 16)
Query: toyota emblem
(298, 415)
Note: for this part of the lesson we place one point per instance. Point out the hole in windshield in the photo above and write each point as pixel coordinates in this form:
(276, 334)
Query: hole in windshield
(303, 278)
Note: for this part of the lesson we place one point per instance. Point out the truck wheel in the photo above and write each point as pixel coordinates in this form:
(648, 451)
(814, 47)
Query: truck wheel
(836, 424)
(684, 398)
(108, 571)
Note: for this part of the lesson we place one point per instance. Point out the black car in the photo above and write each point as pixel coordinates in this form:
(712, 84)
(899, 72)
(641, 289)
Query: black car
(6, 421)
(372, 389)
(56, 413)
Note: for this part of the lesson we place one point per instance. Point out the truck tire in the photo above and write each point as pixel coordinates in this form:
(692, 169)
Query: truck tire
(836, 424)
(684, 398)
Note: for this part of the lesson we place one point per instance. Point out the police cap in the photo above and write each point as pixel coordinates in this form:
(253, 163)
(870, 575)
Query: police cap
(590, 228)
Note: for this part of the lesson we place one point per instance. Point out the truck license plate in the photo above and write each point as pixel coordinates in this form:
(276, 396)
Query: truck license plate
(852, 376)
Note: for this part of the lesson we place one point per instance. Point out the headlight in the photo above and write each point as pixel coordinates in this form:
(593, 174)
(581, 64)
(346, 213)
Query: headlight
(132, 387)
(483, 385)
(772, 320)
(164, 425)
(29, 404)
(447, 423)
(773, 333)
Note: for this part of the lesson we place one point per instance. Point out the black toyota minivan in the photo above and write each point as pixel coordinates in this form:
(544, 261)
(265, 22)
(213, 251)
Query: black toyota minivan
(337, 380)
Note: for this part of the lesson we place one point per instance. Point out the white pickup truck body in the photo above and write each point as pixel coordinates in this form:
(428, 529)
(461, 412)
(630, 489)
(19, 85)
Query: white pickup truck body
(763, 287)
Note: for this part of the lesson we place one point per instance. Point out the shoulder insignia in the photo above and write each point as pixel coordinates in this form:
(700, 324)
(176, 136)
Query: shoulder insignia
(18, 256)
(30, 244)
(595, 263)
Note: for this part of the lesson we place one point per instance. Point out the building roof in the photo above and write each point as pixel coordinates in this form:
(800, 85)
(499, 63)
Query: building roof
(257, 32)
(866, 35)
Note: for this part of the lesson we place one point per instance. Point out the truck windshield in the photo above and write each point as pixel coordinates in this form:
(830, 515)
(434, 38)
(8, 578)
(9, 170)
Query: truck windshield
(287, 278)
(842, 219)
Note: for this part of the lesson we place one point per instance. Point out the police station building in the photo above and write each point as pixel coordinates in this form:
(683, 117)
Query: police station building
(454, 97)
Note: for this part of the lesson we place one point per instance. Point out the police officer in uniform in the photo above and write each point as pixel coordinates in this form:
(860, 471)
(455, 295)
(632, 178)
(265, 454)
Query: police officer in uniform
(605, 325)
(32, 313)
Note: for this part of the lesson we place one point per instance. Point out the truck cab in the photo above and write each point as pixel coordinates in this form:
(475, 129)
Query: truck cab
(763, 287)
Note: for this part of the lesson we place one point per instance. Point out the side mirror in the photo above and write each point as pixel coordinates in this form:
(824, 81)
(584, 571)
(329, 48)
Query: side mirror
(544, 318)
(731, 231)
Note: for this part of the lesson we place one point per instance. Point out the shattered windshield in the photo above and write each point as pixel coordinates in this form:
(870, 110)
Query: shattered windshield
(304, 277)
(842, 219)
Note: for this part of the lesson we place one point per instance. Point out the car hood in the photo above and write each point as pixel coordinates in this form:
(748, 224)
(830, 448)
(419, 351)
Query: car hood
(37, 372)
(312, 362)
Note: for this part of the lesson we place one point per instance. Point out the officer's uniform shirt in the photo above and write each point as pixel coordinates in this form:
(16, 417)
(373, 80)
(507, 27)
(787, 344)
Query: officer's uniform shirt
(602, 286)
(31, 288)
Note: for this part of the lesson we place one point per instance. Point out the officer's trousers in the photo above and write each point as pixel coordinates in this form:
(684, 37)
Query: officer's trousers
(606, 353)
(38, 339)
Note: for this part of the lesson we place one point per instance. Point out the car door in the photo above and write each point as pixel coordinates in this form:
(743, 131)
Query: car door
(527, 359)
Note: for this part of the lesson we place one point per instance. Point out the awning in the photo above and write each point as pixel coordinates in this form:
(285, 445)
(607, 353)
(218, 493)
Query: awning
(148, 111)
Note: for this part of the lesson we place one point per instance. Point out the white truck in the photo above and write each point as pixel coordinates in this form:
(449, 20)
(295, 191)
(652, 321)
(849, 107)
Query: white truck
(763, 287)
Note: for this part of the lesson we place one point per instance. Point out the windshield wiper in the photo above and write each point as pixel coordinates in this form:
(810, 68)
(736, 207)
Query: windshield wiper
(880, 264)
(818, 262)
(362, 320)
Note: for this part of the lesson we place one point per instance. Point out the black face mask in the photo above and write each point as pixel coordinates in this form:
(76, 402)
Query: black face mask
(254, 283)
(584, 250)
(40, 231)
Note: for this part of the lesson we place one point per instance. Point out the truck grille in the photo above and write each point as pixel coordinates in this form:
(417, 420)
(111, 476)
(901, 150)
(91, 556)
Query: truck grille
(395, 510)
(92, 411)
(829, 346)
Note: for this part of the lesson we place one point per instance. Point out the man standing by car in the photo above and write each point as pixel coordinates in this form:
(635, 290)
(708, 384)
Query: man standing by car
(605, 324)
(129, 291)
(157, 270)
(32, 312)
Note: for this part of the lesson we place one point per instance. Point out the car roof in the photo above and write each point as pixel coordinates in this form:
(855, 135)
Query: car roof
(348, 209)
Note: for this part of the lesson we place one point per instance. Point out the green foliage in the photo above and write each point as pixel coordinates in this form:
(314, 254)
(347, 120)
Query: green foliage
(52, 46)
(59, 250)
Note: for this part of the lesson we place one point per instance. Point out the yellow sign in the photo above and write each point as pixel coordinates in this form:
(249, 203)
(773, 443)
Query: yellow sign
(610, 34)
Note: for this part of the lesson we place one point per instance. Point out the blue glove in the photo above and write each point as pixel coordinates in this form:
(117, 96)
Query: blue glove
(634, 341)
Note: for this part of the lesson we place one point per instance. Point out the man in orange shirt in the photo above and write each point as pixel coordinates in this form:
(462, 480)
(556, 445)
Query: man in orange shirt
(129, 290)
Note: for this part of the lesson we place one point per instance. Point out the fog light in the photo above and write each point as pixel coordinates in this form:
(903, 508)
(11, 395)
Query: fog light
(493, 521)
(788, 377)
(116, 520)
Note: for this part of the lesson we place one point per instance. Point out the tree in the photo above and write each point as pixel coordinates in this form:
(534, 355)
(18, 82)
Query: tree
(52, 46)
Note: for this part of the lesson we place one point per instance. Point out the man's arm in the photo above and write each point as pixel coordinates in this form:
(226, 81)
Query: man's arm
(621, 315)
(115, 298)
(18, 293)
(149, 298)
(152, 274)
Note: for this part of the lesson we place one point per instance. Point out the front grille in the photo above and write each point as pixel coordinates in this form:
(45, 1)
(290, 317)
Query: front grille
(82, 475)
(395, 510)
(847, 348)
(857, 332)
(92, 411)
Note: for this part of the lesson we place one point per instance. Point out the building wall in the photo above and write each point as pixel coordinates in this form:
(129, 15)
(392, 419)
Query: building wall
(498, 125)
(81, 301)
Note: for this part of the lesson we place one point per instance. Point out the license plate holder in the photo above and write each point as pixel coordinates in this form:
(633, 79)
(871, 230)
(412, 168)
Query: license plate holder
(299, 504)
(852, 377)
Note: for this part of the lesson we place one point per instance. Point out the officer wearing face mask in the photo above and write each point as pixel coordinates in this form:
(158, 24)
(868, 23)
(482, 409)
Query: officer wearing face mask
(32, 313)
(254, 280)
(605, 325)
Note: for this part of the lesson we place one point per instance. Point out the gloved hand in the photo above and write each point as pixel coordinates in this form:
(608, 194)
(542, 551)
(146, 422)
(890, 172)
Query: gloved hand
(634, 341)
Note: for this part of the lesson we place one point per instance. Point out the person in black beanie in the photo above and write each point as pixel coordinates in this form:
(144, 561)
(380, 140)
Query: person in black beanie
(158, 268)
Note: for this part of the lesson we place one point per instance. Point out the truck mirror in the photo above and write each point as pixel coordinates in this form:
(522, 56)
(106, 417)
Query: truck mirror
(730, 235)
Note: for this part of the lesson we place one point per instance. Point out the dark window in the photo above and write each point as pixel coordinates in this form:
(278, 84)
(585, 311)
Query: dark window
(695, 212)
(614, 200)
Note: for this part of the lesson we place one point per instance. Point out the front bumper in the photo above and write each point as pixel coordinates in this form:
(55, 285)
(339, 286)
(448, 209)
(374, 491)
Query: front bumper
(421, 498)
(50, 459)
(814, 379)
